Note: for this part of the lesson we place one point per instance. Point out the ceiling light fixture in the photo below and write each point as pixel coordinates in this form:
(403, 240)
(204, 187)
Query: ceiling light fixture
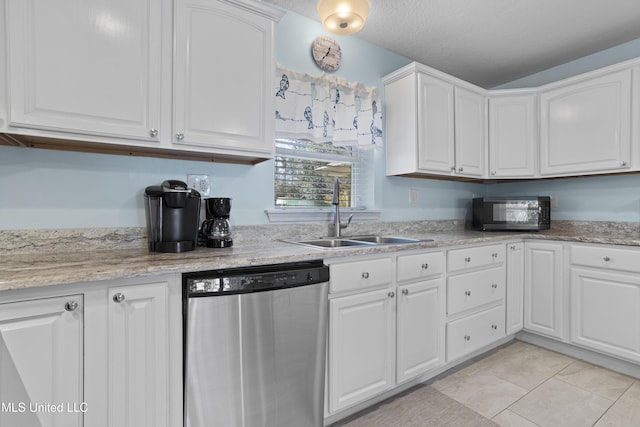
(343, 16)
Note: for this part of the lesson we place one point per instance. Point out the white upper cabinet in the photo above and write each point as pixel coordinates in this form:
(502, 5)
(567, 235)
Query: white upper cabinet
(435, 124)
(85, 66)
(224, 69)
(436, 137)
(513, 135)
(470, 133)
(586, 125)
(194, 77)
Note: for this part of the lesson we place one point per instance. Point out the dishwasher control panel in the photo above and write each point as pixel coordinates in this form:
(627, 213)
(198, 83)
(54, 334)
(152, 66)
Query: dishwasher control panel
(255, 279)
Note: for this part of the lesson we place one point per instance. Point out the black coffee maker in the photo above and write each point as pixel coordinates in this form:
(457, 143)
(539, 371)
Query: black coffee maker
(173, 216)
(215, 230)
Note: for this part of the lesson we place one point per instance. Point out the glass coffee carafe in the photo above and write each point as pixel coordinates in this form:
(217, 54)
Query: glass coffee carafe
(215, 228)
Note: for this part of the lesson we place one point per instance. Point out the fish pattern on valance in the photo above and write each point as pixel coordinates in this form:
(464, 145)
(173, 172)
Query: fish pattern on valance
(326, 108)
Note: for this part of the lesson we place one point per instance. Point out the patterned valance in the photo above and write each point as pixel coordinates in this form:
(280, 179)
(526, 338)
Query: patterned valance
(326, 108)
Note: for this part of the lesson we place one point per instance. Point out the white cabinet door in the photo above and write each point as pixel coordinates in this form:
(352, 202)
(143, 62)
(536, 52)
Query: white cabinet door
(586, 126)
(470, 133)
(85, 66)
(513, 130)
(543, 289)
(420, 328)
(515, 287)
(224, 65)
(435, 125)
(605, 312)
(361, 347)
(138, 356)
(41, 351)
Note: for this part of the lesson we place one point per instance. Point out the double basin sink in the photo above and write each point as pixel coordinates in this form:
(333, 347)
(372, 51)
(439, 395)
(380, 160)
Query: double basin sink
(341, 242)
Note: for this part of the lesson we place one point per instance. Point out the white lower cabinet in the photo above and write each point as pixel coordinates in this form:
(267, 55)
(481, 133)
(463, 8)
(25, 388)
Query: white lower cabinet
(605, 299)
(515, 288)
(41, 362)
(420, 328)
(361, 347)
(386, 325)
(138, 355)
(475, 298)
(605, 312)
(543, 289)
(99, 354)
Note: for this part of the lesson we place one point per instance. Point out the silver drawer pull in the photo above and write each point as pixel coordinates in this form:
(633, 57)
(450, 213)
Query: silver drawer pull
(71, 306)
(405, 292)
(467, 259)
(118, 298)
(467, 293)
(467, 337)
(494, 327)
(607, 259)
(425, 266)
(494, 255)
(391, 294)
(365, 275)
(494, 285)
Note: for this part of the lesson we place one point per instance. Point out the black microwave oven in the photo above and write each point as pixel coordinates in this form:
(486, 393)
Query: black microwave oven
(520, 213)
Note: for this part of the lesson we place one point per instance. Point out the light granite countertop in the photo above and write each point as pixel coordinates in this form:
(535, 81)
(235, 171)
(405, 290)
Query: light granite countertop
(76, 261)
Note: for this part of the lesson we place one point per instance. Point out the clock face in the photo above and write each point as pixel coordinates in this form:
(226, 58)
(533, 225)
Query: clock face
(326, 52)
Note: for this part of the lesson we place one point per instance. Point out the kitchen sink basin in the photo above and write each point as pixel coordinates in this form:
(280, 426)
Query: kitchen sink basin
(384, 240)
(333, 243)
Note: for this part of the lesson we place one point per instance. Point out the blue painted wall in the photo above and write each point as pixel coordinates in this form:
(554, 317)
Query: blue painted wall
(55, 189)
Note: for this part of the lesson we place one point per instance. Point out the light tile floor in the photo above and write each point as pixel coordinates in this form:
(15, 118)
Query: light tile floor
(524, 385)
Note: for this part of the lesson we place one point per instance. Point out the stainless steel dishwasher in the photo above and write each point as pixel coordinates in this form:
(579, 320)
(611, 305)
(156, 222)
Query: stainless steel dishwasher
(255, 345)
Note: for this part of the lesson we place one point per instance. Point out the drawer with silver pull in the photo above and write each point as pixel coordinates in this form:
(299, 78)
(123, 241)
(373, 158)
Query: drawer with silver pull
(417, 266)
(472, 290)
(482, 256)
(602, 256)
(473, 332)
(360, 274)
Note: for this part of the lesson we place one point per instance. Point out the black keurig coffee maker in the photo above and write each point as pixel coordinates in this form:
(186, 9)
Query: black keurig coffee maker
(215, 229)
(173, 216)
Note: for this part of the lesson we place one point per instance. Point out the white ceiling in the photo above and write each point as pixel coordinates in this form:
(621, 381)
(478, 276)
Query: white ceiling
(491, 42)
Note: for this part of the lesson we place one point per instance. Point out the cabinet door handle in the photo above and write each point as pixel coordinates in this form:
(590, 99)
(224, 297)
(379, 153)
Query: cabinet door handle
(494, 285)
(425, 266)
(467, 293)
(405, 292)
(391, 294)
(179, 136)
(493, 172)
(467, 259)
(467, 337)
(607, 259)
(153, 133)
(365, 275)
(494, 255)
(460, 169)
(623, 163)
(71, 306)
(118, 298)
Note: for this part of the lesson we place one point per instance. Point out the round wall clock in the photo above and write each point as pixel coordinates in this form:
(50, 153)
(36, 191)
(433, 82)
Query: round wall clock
(327, 53)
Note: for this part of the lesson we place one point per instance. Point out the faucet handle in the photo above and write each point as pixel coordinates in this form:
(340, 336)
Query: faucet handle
(348, 222)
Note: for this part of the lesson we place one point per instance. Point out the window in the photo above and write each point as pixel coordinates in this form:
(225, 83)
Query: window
(305, 173)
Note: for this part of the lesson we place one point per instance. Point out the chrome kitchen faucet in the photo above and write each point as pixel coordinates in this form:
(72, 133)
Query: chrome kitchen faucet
(335, 200)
